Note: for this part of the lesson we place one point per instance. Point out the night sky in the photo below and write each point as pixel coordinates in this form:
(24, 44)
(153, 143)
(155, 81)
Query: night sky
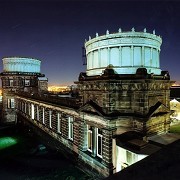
(54, 31)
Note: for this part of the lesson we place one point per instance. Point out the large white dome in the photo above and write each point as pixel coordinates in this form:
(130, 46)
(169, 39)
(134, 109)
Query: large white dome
(125, 52)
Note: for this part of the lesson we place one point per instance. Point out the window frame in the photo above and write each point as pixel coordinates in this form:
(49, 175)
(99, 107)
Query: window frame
(27, 82)
(10, 103)
(50, 119)
(89, 132)
(11, 82)
(59, 123)
(25, 107)
(101, 137)
(43, 115)
(32, 111)
(70, 127)
(37, 109)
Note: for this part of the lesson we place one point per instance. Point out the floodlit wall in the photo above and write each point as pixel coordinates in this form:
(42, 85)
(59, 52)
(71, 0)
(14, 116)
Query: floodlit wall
(175, 107)
(125, 52)
(125, 158)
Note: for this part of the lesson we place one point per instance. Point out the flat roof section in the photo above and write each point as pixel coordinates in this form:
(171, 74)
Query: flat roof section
(162, 165)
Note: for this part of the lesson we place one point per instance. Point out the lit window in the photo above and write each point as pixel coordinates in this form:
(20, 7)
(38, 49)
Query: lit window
(58, 123)
(11, 83)
(129, 157)
(37, 108)
(27, 82)
(89, 138)
(10, 103)
(99, 143)
(50, 119)
(70, 122)
(32, 111)
(43, 116)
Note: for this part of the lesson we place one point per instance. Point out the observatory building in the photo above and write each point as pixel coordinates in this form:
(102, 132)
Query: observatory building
(126, 93)
(20, 75)
(19, 64)
(123, 100)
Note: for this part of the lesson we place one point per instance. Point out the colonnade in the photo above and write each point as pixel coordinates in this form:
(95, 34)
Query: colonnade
(123, 56)
(21, 65)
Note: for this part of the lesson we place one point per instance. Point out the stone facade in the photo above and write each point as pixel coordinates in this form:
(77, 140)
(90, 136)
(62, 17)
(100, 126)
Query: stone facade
(131, 99)
(101, 108)
(128, 96)
(45, 116)
(109, 104)
(94, 126)
(16, 82)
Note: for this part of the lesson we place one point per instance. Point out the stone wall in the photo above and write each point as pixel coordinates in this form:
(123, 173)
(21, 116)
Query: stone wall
(126, 96)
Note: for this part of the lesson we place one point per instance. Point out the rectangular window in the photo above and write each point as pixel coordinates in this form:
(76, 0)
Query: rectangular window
(37, 108)
(22, 105)
(27, 82)
(70, 122)
(29, 109)
(25, 107)
(10, 103)
(43, 116)
(89, 138)
(58, 123)
(11, 82)
(32, 111)
(99, 143)
(50, 119)
(128, 157)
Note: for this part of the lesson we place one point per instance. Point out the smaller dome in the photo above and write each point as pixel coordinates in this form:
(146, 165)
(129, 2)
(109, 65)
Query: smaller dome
(21, 64)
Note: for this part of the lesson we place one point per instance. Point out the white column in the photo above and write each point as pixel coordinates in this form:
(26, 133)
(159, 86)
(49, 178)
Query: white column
(92, 55)
(99, 58)
(120, 55)
(151, 57)
(87, 61)
(34, 70)
(11, 67)
(108, 60)
(143, 56)
(90, 60)
(132, 55)
(158, 58)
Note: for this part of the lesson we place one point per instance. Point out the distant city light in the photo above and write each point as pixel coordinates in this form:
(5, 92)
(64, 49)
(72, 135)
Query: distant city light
(58, 88)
